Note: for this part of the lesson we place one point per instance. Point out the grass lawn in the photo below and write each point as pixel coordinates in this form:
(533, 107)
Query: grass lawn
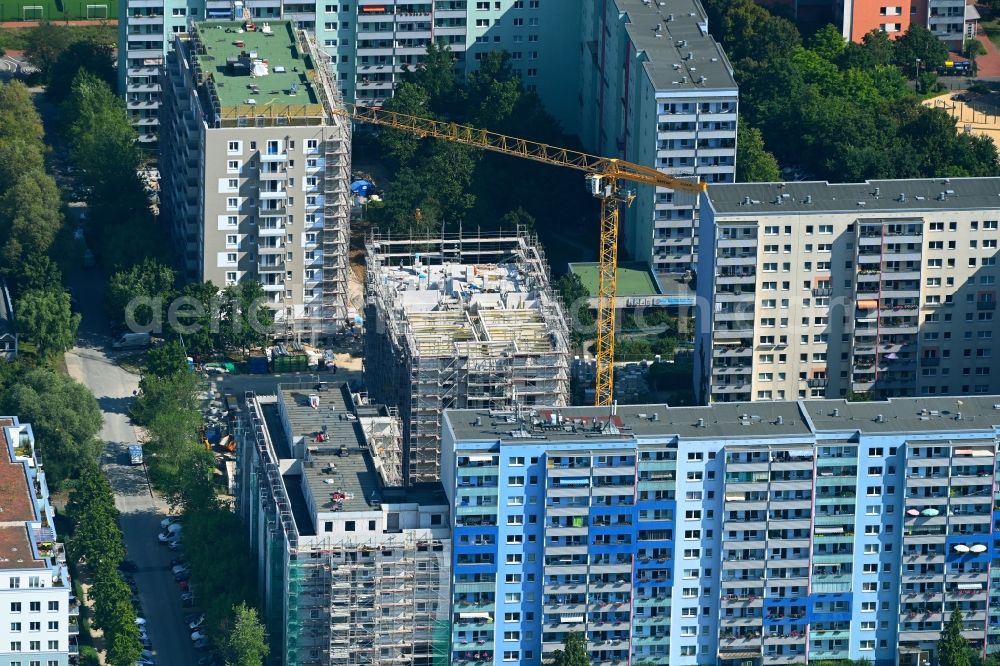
(16, 39)
(633, 279)
(992, 30)
(58, 10)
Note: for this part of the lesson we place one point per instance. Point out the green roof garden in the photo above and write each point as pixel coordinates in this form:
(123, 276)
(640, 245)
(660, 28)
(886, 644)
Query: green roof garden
(229, 54)
(634, 279)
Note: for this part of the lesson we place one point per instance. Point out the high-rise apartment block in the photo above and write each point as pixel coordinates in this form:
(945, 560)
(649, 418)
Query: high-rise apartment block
(353, 568)
(658, 90)
(642, 81)
(256, 169)
(951, 21)
(812, 290)
(460, 323)
(755, 534)
(370, 43)
(37, 604)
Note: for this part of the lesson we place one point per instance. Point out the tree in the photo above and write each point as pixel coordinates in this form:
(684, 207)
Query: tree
(574, 652)
(973, 49)
(753, 163)
(147, 286)
(125, 648)
(248, 321)
(45, 44)
(920, 43)
(247, 642)
(95, 57)
(30, 217)
(197, 317)
(518, 219)
(952, 648)
(398, 145)
(166, 360)
(64, 416)
(39, 272)
(46, 319)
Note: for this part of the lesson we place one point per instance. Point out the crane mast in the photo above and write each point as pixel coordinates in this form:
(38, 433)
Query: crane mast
(604, 176)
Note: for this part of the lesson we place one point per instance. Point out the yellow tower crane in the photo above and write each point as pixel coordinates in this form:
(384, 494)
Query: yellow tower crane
(604, 178)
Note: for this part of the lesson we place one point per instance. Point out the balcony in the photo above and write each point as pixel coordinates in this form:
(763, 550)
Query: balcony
(986, 305)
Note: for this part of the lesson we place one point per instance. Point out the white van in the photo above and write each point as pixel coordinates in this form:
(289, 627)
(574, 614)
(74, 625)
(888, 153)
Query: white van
(135, 454)
(131, 341)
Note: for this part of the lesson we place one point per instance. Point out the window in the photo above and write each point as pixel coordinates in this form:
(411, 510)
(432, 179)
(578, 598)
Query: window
(868, 644)
(511, 655)
(512, 597)
(511, 617)
(232, 203)
(235, 147)
(515, 480)
(15, 582)
(35, 606)
(826, 228)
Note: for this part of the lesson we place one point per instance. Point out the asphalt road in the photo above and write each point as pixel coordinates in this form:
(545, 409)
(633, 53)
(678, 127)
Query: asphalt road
(141, 510)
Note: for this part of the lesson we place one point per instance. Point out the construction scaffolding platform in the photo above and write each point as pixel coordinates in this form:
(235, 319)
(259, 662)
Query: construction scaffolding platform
(460, 322)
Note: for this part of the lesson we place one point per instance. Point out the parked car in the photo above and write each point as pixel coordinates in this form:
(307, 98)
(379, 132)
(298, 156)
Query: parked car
(182, 576)
(183, 584)
(132, 341)
(168, 521)
(141, 621)
(188, 599)
(145, 661)
(198, 635)
(178, 568)
(195, 623)
(175, 544)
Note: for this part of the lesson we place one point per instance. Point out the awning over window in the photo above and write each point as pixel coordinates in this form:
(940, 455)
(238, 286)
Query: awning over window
(571, 619)
(970, 586)
(867, 305)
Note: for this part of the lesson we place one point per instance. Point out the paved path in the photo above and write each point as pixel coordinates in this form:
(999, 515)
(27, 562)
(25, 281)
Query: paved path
(141, 511)
(988, 65)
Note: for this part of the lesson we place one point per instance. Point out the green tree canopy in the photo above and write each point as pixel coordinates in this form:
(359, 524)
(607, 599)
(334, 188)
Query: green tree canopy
(30, 216)
(45, 44)
(247, 642)
(149, 280)
(167, 360)
(920, 43)
(46, 319)
(95, 57)
(40, 272)
(64, 417)
(753, 163)
(574, 652)
(248, 321)
(197, 317)
(952, 648)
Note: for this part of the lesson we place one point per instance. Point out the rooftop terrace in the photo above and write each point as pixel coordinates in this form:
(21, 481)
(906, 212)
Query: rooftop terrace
(15, 497)
(287, 81)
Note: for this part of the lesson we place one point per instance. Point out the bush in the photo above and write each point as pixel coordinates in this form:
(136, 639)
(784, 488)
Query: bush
(88, 656)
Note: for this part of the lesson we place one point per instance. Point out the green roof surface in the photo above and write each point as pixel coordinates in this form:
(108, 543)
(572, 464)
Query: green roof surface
(634, 279)
(279, 49)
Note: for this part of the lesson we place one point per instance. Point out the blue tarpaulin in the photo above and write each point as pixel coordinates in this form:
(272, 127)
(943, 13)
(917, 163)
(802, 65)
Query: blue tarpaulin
(363, 188)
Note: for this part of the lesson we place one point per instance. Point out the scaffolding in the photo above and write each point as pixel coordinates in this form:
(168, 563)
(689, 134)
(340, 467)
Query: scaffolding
(460, 322)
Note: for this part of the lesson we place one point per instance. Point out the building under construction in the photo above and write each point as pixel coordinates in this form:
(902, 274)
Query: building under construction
(353, 568)
(460, 323)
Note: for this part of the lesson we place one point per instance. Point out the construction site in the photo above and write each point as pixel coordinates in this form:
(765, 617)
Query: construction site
(354, 568)
(465, 322)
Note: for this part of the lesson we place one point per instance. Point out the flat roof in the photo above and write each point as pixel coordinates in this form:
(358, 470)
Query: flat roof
(15, 549)
(872, 196)
(286, 65)
(681, 49)
(634, 279)
(906, 414)
(719, 420)
(341, 463)
(15, 495)
(738, 421)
